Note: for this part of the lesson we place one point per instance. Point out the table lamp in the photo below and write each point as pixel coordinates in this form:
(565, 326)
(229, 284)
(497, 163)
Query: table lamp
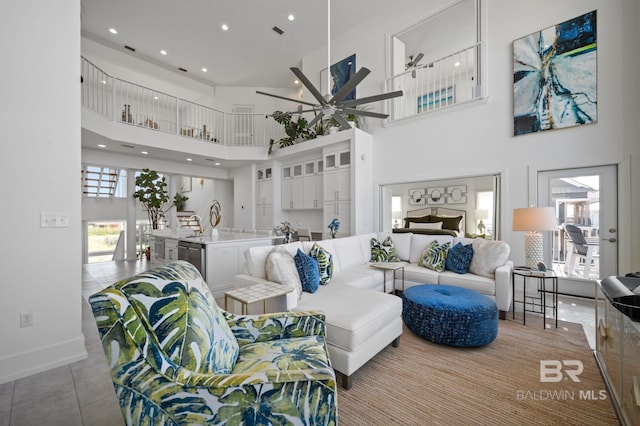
(481, 214)
(533, 220)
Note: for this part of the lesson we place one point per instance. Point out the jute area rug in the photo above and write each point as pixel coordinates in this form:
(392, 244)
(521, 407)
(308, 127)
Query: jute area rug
(423, 383)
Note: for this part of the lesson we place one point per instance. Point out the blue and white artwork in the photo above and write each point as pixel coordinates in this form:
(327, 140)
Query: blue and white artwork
(555, 77)
(341, 72)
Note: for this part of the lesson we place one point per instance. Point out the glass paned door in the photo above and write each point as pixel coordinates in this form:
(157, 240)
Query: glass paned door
(584, 245)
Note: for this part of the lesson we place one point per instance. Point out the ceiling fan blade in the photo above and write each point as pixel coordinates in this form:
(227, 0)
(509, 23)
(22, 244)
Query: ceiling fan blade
(350, 85)
(417, 59)
(375, 98)
(310, 87)
(285, 98)
(315, 120)
(364, 113)
(344, 125)
(307, 110)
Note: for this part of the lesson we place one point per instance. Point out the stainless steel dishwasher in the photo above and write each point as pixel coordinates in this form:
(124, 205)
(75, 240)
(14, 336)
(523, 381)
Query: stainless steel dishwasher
(194, 253)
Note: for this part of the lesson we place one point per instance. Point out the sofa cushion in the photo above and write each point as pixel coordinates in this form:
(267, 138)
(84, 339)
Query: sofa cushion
(480, 284)
(281, 268)
(349, 252)
(435, 256)
(383, 251)
(459, 258)
(308, 271)
(402, 242)
(362, 276)
(419, 274)
(350, 324)
(420, 242)
(487, 256)
(325, 262)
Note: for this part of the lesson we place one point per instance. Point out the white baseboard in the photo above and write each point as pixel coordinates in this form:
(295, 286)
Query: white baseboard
(24, 364)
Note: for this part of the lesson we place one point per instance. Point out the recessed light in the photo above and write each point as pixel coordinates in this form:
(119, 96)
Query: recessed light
(189, 159)
(113, 31)
(296, 81)
(163, 52)
(104, 81)
(457, 64)
(155, 97)
(101, 145)
(143, 152)
(204, 70)
(225, 27)
(291, 17)
(217, 164)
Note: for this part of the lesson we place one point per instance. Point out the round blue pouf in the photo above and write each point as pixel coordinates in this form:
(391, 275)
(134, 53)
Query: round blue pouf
(450, 315)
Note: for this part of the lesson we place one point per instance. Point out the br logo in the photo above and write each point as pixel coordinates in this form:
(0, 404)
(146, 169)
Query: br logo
(551, 370)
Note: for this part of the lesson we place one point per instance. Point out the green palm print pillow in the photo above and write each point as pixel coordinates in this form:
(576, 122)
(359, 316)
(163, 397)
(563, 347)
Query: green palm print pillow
(383, 251)
(325, 262)
(435, 256)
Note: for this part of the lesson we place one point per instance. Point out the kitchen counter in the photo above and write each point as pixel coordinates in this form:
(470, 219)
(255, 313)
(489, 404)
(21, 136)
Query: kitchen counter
(218, 258)
(226, 237)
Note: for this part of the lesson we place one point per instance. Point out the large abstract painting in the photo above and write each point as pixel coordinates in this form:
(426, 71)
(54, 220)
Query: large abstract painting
(341, 72)
(555, 77)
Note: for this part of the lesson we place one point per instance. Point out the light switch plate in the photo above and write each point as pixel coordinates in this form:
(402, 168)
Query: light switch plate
(54, 220)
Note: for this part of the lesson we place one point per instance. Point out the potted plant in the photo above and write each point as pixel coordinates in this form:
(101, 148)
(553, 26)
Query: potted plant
(180, 201)
(151, 192)
(296, 130)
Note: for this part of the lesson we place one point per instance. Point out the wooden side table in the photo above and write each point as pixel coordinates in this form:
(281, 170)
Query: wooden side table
(255, 293)
(541, 279)
(390, 266)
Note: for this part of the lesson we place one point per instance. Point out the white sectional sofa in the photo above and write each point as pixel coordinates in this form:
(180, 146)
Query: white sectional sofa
(361, 319)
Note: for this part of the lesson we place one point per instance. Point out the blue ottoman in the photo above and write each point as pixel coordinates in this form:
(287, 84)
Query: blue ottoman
(451, 315)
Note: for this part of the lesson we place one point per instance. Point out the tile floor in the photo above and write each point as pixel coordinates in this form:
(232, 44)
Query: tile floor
(82, 393)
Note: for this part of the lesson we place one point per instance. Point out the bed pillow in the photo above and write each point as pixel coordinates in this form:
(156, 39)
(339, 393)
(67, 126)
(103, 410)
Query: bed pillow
(308, 272)
(448, 222)
(431, 225)
(325, 262)
(435, 256)
(281, 268)
(459, 258)
(487, 256)
(383, 251)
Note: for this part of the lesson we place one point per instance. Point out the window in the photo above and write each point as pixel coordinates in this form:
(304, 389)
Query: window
(103, 182)
(396, 211)
(484, 212)
(437, 62)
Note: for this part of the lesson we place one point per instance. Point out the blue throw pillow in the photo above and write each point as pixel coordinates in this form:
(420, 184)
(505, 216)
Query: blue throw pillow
(307, 268)
(459, 258)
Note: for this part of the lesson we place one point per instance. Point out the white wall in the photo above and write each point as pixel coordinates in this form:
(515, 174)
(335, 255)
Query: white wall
(479, 139)
(40, 162)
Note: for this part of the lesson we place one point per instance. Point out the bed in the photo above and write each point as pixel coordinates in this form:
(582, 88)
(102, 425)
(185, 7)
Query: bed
(435, 221)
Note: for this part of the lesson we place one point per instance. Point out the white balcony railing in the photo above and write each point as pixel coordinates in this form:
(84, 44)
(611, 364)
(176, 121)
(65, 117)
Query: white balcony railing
(136, 105)
(448, 81)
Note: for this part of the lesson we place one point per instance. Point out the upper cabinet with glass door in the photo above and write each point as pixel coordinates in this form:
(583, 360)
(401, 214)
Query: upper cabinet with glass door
(437, 62)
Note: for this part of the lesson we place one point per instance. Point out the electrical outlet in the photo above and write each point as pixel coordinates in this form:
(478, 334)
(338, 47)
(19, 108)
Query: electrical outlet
(26, 319)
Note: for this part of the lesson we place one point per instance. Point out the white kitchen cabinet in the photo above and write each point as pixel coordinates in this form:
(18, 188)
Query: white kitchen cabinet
(618, 356)
(298, 193)
(337, 159)
(170, 250)
(300, 185)
(312, 192)
(337, 184)
(340, 210)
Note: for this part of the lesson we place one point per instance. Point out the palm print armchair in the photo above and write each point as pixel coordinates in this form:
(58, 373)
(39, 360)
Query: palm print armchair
(177, 358)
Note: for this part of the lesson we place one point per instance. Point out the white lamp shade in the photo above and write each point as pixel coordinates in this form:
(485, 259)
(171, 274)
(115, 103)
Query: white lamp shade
(482, 214)
(534, 219)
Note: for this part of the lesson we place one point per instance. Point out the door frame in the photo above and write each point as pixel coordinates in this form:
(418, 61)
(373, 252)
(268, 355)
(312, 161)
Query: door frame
(624, 200)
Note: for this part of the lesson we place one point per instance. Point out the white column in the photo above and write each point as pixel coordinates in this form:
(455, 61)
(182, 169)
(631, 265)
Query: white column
(131, 215)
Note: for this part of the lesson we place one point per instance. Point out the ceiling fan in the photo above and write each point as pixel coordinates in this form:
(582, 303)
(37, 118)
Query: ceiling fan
(414, 62)
(336, 106)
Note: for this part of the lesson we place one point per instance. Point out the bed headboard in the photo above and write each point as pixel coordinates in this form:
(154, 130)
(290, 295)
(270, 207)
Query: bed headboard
(441, 211)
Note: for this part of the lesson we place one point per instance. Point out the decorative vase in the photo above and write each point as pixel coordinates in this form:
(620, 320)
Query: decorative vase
(214, 233)
(333, 130)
